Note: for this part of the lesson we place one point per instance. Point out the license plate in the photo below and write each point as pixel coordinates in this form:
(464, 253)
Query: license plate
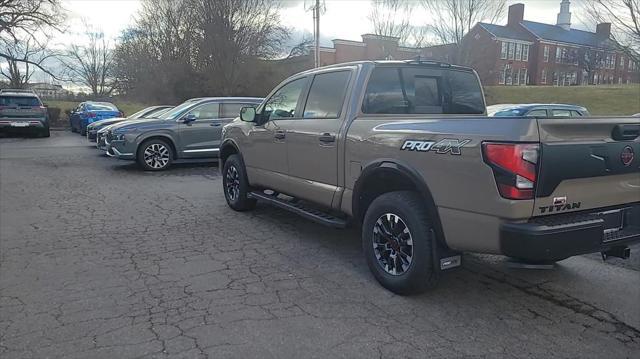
(19, 124)
(613, 220)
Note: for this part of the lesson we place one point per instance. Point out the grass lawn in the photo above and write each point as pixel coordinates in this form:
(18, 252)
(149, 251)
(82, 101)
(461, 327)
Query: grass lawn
(128, 108)
(599, 100)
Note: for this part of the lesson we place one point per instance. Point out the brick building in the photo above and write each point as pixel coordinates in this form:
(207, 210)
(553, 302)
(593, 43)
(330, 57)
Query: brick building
(525, 52)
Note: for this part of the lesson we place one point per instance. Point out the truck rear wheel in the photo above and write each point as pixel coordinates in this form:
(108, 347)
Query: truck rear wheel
(398, 243)
(236, 185)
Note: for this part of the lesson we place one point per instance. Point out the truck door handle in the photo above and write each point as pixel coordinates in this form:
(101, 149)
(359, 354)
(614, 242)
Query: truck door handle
(327, 138)
(280, 135)
(215, 124)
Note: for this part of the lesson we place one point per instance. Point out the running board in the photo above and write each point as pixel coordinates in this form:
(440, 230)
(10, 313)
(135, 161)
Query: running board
(306, 212)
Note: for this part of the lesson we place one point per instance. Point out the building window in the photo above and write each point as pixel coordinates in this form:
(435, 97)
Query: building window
(512, 50)
(523, 76)
(544, 76)
(621, 62)
(504, 50)
(619, 80)
(508, 76)
(525, 52)
(554, 77)
(546, 53)
(558, 54)
(516, 77)
(518, 52)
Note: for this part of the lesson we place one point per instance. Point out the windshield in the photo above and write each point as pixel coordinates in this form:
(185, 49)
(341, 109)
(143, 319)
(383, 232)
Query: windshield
(101, 106)
(139, 113)
(19, 101)
(509, 112)
(159, 113)
(175, 112)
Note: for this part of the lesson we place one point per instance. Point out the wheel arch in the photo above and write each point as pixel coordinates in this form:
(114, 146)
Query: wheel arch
(227, 148)
(154, 136)
(388, 175)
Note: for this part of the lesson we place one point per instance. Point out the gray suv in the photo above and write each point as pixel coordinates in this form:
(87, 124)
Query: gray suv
(188, 132)
(22, 110)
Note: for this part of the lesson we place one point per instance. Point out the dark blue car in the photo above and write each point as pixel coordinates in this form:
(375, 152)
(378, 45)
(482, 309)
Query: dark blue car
(89, 112)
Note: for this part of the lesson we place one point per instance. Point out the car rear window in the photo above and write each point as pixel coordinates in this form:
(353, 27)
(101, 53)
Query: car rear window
(101, 107)
(19, 101)
(420, 90)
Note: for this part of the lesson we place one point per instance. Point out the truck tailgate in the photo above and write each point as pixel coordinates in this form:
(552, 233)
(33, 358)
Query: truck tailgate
(587, 163)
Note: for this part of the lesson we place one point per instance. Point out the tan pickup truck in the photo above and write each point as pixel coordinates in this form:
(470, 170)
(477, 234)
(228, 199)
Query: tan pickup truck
(404, 150)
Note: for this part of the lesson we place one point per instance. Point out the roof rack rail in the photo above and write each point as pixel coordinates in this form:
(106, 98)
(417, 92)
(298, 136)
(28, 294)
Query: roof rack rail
(18, 91)
(419, 60)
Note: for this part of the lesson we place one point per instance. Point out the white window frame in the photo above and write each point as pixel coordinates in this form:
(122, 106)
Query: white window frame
(512, 50)
(525, 52)
(518, 56)
(558, 54)
(546, 53)
(504, 50)
(543, 76)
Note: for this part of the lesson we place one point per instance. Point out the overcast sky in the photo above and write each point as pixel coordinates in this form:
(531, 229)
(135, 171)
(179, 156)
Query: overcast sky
(344, 19)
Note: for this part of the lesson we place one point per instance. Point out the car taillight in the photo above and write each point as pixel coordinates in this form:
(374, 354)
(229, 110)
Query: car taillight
(91, 114)
(514, 167)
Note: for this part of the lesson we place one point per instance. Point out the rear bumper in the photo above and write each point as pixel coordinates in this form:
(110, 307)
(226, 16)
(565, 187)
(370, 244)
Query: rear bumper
(22, 125)
(558, 237)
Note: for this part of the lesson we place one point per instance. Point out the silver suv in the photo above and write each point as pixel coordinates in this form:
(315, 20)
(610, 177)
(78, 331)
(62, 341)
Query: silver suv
(22, 110)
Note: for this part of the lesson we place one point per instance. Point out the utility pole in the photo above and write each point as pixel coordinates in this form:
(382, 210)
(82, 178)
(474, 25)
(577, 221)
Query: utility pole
(316, 33)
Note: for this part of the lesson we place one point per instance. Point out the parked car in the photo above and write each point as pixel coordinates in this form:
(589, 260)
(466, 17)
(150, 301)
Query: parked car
(149, 112)
(22, 111)
(190, 131)
(89, 112)
(404, 150)
(636, 115)
(537, 110)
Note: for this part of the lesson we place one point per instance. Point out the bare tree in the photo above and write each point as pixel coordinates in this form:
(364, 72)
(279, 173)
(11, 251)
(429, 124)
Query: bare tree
(27, 18)
(391, 18)
(24, 56)
(232, 31)
(92, 64)
(454, 18)
(624, 17)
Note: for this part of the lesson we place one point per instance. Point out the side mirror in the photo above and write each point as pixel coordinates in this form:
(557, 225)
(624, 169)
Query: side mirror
(248, 114)
(189, 118)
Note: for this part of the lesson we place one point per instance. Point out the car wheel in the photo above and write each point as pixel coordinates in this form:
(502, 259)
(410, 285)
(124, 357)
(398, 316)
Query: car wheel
(73, 129)
(155, 155)
(398, 241)
(45, 132)
(83, 131)
(236, 185)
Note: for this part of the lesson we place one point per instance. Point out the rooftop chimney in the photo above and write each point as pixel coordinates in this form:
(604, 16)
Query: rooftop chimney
(516, 14)
(603, 30)
(564, 16)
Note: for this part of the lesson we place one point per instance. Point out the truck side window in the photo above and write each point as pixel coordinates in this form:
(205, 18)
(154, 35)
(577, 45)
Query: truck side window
(537, 113)
(283, 103)
(384, 92)
(466, 95)
(326, 95)
(393, 90)
(560, 113)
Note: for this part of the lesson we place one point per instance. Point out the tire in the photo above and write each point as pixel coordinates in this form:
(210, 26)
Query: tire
(155, 155)
(45, 132)
(236, 185)
(83, 131)
(404, 212)
(73, 129)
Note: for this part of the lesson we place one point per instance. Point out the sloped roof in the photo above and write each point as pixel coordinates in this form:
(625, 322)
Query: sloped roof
(516, 33)
(571, 36)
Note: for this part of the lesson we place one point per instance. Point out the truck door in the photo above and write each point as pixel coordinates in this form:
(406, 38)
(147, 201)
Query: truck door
(312, 141)
(265, 152)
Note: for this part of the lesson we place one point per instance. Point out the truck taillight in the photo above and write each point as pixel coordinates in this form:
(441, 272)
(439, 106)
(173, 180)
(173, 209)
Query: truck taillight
(514, 167)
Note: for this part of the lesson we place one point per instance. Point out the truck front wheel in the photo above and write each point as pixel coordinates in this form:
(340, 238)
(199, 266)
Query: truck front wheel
(398, 242)
(236, 185)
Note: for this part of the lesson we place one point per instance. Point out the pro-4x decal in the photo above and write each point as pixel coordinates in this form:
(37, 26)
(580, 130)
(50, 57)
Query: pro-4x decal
(447, 145)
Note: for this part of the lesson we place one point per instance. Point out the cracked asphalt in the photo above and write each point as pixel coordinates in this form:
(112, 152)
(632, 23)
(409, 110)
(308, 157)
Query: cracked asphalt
(101, 260)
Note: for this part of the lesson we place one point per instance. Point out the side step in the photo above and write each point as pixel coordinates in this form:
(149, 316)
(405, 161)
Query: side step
(298, 208)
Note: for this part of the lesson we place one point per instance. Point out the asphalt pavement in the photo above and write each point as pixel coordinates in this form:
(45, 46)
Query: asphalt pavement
(99, 259)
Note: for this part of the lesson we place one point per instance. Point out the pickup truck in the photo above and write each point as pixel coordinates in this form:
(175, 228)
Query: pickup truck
(405, 151)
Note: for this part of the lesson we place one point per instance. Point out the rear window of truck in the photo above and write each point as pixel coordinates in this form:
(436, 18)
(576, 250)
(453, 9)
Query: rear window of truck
(417, 90)
(15, 101)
